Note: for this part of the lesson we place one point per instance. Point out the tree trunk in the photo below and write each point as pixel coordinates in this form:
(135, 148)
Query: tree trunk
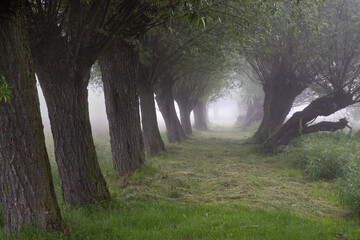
(118, 69)
(27, 193)
(166, 105)
(200, 116)
(278, 101)
(185, 111)
(298, 124)
(151, 133)
(65, 90)
(254, 113)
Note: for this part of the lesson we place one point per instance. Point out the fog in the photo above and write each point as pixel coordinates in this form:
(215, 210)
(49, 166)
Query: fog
(222, 112)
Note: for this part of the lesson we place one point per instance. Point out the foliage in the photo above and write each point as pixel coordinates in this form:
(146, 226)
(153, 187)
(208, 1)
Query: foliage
(5, 92)
(339, 55)
(329, 156)
(322, 156)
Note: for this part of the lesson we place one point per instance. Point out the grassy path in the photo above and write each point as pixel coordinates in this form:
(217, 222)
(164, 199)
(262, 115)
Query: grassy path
(211, 186)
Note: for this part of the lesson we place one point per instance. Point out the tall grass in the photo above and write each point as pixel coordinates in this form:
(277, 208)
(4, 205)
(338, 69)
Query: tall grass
(330, 156)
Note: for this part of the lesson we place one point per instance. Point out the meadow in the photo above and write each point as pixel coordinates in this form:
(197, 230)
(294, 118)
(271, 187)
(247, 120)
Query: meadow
(217, 185)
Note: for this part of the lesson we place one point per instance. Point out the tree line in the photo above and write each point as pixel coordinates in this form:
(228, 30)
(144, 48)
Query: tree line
(184, 51)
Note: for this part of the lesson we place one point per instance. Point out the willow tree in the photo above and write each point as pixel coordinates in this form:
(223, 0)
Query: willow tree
(118, 68)
(67, 37)
(338, 79)
(161, 49)
(151, 64)
(282, 61)
(27, 193)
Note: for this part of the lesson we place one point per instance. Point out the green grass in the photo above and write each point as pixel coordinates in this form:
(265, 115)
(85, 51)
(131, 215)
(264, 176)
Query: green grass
(211, 186)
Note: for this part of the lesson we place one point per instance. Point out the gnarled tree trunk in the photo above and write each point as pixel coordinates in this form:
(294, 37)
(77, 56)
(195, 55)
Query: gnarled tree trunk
(166, 105)
(279, 97)
(200, 116)
(118, 69)
(298, 124)
(65, 90)
(27, 193)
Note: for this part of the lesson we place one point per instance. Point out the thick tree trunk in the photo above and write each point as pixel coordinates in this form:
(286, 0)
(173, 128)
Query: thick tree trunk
(65, 91)
(151, 133)
(278, 101)
(298, 124)
(200, 116)
(166, 105)
(185, 111)
(27, 193)
(118, 69)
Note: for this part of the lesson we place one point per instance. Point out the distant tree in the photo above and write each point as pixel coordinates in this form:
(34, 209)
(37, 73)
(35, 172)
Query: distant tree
(203, 75)
(201, 115)
(252, 96)
(27, 193)
(165, 101)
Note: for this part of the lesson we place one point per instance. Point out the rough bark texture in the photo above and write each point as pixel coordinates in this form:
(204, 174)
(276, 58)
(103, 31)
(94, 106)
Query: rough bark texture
(26, 189)
(146, 78)
(280, 93)
(200, 116)
(166, 105)
(298, 124)
(65, 91)
(118, 69)
(151, 133)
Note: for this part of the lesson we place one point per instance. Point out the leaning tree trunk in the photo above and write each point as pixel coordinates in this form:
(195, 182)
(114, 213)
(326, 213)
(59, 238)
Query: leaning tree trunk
(65, 90)
(298, 124)
(200, 116)
(185, 111)
(278, 101)
(151, 133)
(166, 105)
(118, 69)
(27, 193)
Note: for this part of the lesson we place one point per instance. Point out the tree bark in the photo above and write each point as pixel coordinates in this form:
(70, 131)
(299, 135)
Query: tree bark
(65, 90)
(200, 116)
(151, 133)
(299, 123)
(118, 69)
(280, 93)
(165, 100)
(27, 193)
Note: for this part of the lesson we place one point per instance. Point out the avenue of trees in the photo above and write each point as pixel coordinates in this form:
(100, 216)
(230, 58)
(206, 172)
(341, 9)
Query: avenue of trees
(144, 52)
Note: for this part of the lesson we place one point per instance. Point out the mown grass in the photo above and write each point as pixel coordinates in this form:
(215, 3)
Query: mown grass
(211, 186)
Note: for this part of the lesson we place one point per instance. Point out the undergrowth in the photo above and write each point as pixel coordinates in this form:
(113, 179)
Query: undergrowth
(213, 185)
(330, 156)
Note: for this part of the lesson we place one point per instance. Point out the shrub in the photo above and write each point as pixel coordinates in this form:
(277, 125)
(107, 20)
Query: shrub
(329, 156)
(320, 156)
